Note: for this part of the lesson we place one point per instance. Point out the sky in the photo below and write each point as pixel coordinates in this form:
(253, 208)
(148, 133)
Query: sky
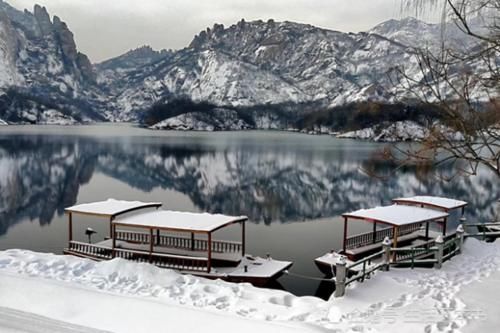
(107, 28)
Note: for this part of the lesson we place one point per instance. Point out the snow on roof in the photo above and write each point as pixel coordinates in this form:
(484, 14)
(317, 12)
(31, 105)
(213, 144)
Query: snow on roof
(182, 221)
(444, 203)
(397, 215)
(110, 207)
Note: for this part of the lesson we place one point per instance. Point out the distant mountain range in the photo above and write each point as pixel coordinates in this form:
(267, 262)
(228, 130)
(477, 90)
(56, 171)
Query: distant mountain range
(285, 66)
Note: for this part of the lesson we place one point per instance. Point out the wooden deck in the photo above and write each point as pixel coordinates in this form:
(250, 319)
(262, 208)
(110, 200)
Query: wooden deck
(101, 252)
(222, 258)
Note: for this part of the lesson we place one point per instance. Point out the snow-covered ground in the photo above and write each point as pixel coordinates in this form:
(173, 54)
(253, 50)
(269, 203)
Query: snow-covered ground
(57, 292)
(397, 132)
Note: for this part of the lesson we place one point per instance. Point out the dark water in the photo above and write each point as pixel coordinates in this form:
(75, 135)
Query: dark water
(293, 187)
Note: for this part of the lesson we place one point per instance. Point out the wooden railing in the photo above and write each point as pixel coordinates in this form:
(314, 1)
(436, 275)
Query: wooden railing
(427, 253)
(132, 236)
(99, 252)
(482, 231)
(186, 243)
(185, 263)
(198, 264)
(367, 267)
(418, 251)
(367, 238)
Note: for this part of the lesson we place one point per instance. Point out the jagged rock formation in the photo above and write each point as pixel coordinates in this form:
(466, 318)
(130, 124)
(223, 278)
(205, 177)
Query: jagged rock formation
(113, 70)
(261, 63)
(248, 64)
(258, 63)
(43, 77)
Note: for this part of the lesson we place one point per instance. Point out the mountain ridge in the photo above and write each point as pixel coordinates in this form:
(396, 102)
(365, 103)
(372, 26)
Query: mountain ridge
(44, 78)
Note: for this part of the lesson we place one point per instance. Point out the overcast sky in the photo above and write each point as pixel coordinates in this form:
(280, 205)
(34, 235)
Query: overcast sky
(107, 28)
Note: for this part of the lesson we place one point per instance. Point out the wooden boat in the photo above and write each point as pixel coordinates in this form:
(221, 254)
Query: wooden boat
(176, 240)
(405, 226)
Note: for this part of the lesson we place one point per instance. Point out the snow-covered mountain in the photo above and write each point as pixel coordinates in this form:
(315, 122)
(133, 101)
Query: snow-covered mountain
(43, 76)
(114, 69)
(261, 63)
(258, 63)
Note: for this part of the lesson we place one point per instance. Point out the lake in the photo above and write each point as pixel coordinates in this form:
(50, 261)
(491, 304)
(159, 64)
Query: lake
(293, 187)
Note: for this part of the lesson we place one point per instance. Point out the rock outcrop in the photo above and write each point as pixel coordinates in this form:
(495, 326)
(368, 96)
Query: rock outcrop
(42, 74)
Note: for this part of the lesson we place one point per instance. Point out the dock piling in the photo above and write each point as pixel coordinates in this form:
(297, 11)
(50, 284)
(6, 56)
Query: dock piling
(386, 245)
(340, 278)
(439, 252)
(460, 237)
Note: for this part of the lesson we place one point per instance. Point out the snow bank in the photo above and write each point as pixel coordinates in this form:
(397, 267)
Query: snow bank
(122, 296)
(128, 297)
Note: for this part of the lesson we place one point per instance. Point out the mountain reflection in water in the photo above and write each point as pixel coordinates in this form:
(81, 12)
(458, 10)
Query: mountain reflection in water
(42, 174)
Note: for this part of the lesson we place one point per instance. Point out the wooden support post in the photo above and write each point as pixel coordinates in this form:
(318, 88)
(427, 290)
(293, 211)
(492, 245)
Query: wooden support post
(340, 277)
(113, 238)
(395, 233)
(344, 245)
(444, 226)
(192, 241)
(157, 236)
(243, 236)
(151, 244)
(374, 232)
(111, 226)
(427, 230)
(70, 225)
(209, 251)
(395, 241)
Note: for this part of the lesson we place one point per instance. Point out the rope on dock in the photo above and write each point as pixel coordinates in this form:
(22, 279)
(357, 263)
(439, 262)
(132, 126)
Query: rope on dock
(309, 277)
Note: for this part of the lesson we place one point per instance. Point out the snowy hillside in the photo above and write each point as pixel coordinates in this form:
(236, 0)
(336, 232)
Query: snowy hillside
(219, 120)
(43, 77)
(258, 63)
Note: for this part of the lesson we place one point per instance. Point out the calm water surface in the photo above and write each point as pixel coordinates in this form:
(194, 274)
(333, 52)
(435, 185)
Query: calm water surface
(293, 187)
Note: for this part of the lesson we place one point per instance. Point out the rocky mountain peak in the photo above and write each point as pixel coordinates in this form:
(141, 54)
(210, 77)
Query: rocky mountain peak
(43, 19)
(65, 36)
(255, 33)
(133, 59)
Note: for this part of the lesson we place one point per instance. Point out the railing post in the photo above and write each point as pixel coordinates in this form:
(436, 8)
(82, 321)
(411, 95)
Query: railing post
(386, 245)
(439, 252)
(460, 237)
(340, 277)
